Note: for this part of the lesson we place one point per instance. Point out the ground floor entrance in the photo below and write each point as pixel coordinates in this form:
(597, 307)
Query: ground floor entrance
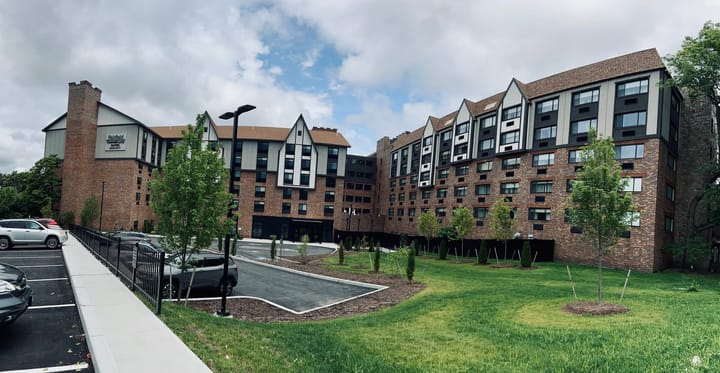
(292, 229)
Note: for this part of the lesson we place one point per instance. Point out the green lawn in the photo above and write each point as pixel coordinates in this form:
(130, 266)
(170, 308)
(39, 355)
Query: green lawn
(482, 319)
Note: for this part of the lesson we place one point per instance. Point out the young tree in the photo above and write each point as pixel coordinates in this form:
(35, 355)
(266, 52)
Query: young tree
(482, 255)
(462, 223)
(341, 253)
(410, 269)
(526, 257)
(598, 204)
(502, 222)
(43, 186)
(696, 67)
(428, 225)
(190, 198)
(90, 211)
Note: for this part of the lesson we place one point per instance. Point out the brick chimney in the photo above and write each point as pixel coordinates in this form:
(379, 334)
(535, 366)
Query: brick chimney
(80, 136)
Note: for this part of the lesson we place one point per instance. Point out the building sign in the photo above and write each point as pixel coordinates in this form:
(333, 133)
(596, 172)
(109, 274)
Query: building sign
(115, 142)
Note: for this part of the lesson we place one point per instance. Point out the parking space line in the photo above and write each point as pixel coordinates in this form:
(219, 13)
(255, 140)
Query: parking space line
(51, 306)
(63, 368)
(31, 257)
(43, 266)
(48, 279)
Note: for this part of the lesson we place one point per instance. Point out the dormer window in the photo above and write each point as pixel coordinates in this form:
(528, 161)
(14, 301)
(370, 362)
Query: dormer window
(547, 106)
(632, 88)
(511, 113)
(461, 129)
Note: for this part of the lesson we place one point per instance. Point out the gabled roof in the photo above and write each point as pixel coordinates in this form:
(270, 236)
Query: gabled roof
(408, 138)
(320, 135)
(486, 105)
(440, 123)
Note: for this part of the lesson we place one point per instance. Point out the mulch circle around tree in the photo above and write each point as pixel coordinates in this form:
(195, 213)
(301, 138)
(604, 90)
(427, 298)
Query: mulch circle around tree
(503, 265)
(255, 310)
(527, 268)
(594, 308)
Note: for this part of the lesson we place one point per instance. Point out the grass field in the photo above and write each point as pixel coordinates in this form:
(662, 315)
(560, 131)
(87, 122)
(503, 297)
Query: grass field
(482, 319)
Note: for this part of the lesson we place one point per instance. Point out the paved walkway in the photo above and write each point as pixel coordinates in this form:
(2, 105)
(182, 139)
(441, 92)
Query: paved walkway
(122, 333)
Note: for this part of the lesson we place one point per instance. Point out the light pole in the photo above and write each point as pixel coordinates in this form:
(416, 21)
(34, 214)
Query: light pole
(102, 200)
(230, 114)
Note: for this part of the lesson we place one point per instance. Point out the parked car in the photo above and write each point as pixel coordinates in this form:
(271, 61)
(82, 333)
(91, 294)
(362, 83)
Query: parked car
(130, 235)
(29, 232)
(15, 294)
(208, 268)
(48, 223)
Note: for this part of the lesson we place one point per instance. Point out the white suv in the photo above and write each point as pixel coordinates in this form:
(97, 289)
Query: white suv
(29, 232)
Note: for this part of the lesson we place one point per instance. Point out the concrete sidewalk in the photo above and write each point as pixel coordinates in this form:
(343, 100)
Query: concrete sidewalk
(122, 333)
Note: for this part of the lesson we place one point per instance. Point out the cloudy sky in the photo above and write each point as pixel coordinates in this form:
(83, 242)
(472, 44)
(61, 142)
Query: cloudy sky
(370, 68)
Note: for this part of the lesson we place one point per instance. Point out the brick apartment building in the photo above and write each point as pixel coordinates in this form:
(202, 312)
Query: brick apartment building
(520, 144)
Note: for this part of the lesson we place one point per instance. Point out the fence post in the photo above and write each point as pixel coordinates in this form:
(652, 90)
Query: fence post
(158, 297)
(117, 262)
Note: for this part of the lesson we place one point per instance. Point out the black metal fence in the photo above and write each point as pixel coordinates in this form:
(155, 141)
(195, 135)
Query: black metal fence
(140, 267)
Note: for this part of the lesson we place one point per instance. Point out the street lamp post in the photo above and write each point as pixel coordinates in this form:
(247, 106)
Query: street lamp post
(102, 200)
(242, 109)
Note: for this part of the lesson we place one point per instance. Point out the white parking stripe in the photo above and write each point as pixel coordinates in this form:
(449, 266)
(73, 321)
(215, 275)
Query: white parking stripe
(48, 265)
(48, 279)
(64, 368)
(51, 306)
(31, 257)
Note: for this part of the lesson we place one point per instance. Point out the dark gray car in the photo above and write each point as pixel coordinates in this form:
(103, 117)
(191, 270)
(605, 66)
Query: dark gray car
(15, 295)
(208, 267)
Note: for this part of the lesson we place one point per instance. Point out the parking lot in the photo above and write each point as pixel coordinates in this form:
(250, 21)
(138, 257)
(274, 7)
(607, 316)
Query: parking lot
(49, 336)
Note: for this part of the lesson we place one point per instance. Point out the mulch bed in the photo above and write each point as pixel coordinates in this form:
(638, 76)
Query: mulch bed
(503, 265)
(594, 308)
(254, 310)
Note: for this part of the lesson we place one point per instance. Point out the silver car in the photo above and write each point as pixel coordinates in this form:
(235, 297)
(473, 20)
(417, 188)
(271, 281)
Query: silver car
(29, 232)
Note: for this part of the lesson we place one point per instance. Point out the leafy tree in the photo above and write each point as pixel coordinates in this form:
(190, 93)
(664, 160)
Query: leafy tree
(598, 204)
(303, 248)
(462, 223)
(90, 211)
(190, 198)
(502, 222)
(428, 225)
(9, 198)
(526, 255)
(42, 186)
(341, 253)
(273, 247)
(376, 260)
(696, 67)
(410, 269)
(442, 252)
(482, 256)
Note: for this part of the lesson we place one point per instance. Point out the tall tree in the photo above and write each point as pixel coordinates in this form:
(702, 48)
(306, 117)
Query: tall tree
(90, 211)
(190, 198)
(696, 68)
(598, 203)
(42, 187)
(429, 226)
(502, 222)
(462, 223)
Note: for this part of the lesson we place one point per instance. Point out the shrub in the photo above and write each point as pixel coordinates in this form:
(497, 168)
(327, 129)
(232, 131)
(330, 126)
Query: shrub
(482, 253)
(376, 261)
(302, 249)
(234, 246)
(415, 248)
(403, 240)
(443, 250)
(67, 218)
(371, 248)
(220, 243)
(273, 247)
(341, 254)
(526, 257)
(410, 270)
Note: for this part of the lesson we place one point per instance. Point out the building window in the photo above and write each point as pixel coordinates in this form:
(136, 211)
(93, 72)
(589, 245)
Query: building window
(487, 144)
(260, 191)
(546, 159)
(460, 191)
(441, 193)
(539, 214)
(632, 88)
(303, 194)
(669, 192)
(547, 106)
(444, 173)
(445, 136)
(302, 209)
(488, 122)
(413, 181)
(634, 119)
(401, 196)
(669, 224)
(259, 206)
(546, 133)
(307, 150)
(632, 151)
(484, 166)
(461, 128)
(288, 177)
(425, 176)
(289, 163)
(391, 198)
(445, 155)
(461, 149)
(583, 126)
(330, 182)
(633, 218)
(509, 137)
(568, 185)
(440, 211)
(289, 148)
(366, 200)
(137, 198)
(333, 152)
(304, 179)
(482, 189)
(286, 207)
(508, 188)
(411, 211)
(329, 196)
(462, 170)
(305, 164)
(510, 163)
(412, 196)
(426, 194)
(287, 193)
(262, 147)
(261, 162)
(586, 97)
(329, 210)
(541, 187)
(427, 158)
(332, 167)
(400, 212)
(403, 181)
(480, 212)
(671, 162)
(427, 141)
(511, 113)
(632, 184)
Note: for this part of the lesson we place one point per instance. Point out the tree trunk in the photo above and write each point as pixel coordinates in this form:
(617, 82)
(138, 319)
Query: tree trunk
(599, 262)
(505, 258)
